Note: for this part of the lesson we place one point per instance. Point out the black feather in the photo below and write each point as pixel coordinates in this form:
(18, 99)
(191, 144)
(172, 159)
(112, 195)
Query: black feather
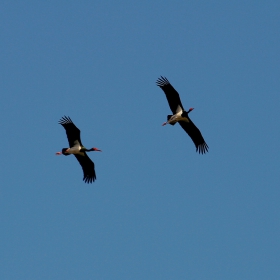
(72, 132)
(88, 168)
(195, 135)
(172, 95)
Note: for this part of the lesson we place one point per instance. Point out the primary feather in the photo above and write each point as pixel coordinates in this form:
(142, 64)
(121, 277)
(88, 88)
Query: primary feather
(172, 95)
(88, 168)
(73, 133)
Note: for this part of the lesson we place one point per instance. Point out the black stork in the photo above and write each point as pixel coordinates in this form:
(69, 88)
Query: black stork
(77, 148)
(180, 115)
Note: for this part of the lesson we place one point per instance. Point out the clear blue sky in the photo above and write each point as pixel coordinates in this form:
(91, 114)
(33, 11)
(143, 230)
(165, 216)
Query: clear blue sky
(158, 209)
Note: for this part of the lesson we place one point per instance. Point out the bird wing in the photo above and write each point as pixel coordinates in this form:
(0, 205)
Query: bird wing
(72, 132)
(88, 167)
(195, 135)
(172, 95)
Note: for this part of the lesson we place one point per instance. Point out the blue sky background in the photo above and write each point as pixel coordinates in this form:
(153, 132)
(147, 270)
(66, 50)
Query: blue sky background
(158, 209)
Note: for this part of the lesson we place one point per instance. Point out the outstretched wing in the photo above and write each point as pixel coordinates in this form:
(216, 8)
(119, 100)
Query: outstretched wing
(88, 168)
(172, 95)
(72, 132)
(195, 135)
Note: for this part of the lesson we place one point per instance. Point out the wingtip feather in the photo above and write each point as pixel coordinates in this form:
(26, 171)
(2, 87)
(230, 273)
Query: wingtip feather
(65, 120)
(202, 148)
(89, 179)
(162, 81)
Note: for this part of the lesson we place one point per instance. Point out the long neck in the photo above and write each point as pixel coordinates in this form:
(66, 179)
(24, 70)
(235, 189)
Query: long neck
(85, 150)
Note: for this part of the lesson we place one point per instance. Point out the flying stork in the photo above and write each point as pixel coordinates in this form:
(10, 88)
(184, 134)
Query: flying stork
(77, 149)
(180, 115)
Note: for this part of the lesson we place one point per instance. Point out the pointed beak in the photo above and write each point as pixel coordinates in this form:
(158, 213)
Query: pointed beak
(58, 153)
(164, 124)
(96, 150)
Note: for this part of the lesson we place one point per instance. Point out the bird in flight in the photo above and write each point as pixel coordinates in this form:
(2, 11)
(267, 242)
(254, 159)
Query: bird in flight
(77, 149)
(181, 116)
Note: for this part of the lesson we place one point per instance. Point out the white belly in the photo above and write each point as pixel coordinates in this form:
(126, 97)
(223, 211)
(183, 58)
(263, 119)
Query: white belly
(75, 149)
(177, 117)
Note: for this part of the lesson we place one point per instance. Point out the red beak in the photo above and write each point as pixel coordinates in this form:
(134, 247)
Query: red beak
(97, 150)
(58, 153)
